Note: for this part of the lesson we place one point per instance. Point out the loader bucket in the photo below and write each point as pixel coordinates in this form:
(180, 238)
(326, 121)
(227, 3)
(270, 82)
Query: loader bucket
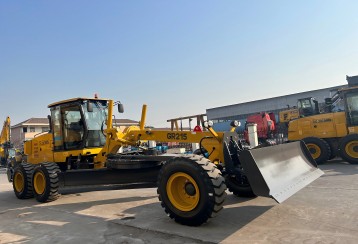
(279, 171)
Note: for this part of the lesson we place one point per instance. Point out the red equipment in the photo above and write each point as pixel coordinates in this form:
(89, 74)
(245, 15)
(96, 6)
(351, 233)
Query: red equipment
(266, 126)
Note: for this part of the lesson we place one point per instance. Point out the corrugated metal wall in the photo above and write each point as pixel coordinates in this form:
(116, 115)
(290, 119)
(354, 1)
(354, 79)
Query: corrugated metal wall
(275, 104)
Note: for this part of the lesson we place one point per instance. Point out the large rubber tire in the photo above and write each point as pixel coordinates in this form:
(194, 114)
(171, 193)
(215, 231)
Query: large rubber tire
(45, 182)
(11, 165)
(333, 145)
(348, 148)
(22, 180)
(239, 186)
(9, 173)
(191, 189)
(318, 148)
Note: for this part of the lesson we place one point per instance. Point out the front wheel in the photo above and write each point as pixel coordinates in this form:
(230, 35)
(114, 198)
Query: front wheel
(239, 186)
(45, 182)
(318, 148)
(348, 148)
(191, 189)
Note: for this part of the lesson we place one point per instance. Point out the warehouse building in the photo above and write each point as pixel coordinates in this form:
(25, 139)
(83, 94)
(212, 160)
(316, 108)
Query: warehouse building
(221, 116)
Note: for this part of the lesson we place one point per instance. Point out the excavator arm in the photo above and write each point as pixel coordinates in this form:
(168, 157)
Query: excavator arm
(5, 140)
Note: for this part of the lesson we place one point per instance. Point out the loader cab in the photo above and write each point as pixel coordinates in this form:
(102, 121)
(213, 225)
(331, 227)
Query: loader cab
(307, 106)
(78, 123)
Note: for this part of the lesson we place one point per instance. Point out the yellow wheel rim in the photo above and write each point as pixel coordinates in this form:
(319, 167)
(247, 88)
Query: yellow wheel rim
(39, 182)
(183, 192)
(19, 181)
(351, 149)
(314, 150)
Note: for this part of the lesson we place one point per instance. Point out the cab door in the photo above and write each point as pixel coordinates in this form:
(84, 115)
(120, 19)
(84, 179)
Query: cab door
(68, 130)
(352, 111)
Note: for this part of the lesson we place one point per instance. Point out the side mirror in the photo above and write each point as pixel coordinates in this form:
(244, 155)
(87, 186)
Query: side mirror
(120, 108)
(89, 107)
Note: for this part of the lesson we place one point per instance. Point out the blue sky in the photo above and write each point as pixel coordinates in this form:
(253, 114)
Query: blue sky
(179, 57)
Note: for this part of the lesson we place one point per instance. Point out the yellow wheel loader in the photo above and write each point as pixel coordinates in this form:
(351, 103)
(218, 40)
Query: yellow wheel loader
(333, 132)
(82, 148)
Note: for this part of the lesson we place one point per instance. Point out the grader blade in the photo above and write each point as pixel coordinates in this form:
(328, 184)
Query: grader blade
(279, 171)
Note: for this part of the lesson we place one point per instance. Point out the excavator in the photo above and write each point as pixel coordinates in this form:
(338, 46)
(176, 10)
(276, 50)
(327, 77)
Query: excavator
(5, 143)
(9, 155)
(83, 148)
(334, 131)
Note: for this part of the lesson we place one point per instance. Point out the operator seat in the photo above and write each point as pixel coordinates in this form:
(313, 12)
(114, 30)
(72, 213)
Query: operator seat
(74, 135)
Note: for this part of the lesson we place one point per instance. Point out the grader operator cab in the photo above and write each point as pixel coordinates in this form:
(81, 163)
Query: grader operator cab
(82, 149)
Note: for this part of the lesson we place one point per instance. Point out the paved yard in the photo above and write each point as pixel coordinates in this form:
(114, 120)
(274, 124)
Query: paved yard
(324, 212)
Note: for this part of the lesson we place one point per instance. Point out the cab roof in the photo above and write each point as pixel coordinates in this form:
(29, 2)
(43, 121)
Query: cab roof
(74, 100)
(348, 89)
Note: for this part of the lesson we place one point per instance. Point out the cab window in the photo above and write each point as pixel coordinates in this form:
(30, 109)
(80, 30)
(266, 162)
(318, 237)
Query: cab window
(352, 108)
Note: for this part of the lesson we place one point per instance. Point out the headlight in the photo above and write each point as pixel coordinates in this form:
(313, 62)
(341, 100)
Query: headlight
(235, 123)
(208, 124)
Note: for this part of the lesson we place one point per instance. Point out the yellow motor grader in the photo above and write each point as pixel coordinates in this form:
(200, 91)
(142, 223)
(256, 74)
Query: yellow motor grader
(82, 149)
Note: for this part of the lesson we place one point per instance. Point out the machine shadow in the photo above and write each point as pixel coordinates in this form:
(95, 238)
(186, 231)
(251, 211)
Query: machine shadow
(141, 212)
(230, 220)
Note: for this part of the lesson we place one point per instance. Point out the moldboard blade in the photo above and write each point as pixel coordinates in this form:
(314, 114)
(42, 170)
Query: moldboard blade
(279, 171)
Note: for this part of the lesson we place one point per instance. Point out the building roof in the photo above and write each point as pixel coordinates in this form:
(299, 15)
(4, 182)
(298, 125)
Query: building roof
(301, 94)
(269, 104)
(73, 100)
(32, 121)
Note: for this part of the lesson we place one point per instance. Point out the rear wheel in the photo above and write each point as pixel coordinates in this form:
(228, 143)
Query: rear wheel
(191, 189)
(45, 182)
(21, 181)
(318, 148)
(333, 145)
(348, 148)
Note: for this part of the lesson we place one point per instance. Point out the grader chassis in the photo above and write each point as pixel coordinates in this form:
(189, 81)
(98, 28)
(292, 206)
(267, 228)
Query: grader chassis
(79, 150)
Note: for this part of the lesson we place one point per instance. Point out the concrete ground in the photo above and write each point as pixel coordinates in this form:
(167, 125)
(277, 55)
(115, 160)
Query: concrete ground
(324, 212)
